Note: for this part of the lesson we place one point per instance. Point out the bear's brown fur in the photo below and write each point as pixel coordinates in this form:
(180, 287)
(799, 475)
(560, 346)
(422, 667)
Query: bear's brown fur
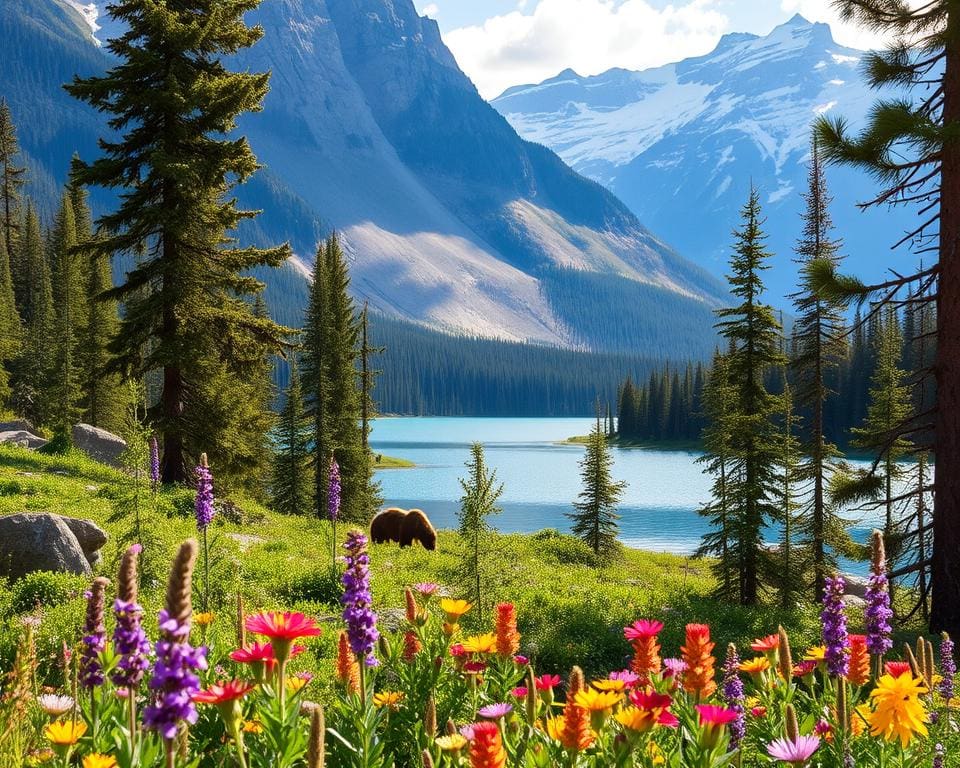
(403, 527)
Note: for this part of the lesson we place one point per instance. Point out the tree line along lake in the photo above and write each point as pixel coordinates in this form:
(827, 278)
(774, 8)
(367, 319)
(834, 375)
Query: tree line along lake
(541, 478)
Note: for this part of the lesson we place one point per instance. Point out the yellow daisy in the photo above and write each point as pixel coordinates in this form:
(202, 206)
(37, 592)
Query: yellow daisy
(99, 761)
(389, 699)
(756, 666)
(453, 742)
(203, 619)
(815, 653)
(898, 712)
(617, 686)
(454, 609)
(65, 733)
(480, 643)
(597, 701)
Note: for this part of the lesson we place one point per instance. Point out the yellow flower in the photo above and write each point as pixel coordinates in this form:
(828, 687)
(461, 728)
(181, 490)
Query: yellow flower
(618, 686)
(597, 701)
(656, 754)
(389, 699)
(636, 719)
(99, 761)
(65, 733)
(252, 726)
(815, 653)
(203, 619)
(756, 666)
(451, 743)
(454, 609)
(481, 643)
(860, 719)
(751, 702)
(555, 726)
(296, 684)
(898, 712)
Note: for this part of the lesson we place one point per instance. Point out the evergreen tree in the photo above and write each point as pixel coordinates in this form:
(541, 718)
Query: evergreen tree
(184, 308)
(34, 368)
(789, 565)
(890, 406)
(103, 395)
(754, 333)
(594, 516)
(819, 351)
(291, 468)
(720, 403)
(12, 179)
(479, 501)
(910, 146)
(69, 302)
(9, 324)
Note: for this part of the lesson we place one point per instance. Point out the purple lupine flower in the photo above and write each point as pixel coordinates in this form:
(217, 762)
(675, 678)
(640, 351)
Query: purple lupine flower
(938, 754)
(357, 613)
(333, 490)
(174, 680)
(733, 696)
(131, 643)
(834, 621)
(203, 504)
(948, 667)
(94, 637)
(877, 614)
(154, 462)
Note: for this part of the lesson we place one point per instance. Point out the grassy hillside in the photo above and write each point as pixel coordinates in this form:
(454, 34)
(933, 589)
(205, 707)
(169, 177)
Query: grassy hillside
(570, 610)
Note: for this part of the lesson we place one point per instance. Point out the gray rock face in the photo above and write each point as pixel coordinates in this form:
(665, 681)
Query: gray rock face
(90, 536)
(855, 585)
(17, 425)
(22, 438)
(99, 444)
(39, 542)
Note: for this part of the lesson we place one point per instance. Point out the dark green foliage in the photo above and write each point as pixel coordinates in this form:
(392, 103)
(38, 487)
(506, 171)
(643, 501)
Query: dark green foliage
(291, 463)
(185, 311)
(12, 179)
(754, 336)
(819, 350)
(788, 564)
(594, 516)
(668, 409)
(478, 502)
(69, 304)
(45, 589)
(9, 323)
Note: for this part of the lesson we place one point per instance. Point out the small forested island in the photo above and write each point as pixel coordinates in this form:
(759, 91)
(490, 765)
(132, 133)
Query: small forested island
(199, 565)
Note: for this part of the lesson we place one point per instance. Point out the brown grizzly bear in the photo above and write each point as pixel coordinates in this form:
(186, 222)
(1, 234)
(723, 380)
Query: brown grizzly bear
(403, 527)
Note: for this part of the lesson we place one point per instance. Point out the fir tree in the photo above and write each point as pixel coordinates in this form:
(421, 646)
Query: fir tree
(819, 351)
(478, 502)
(754, 334)
(789, 566)
(719, 403)
(12, 179)
(291, 468)
(594, 516)
(69, 302)
(910, 146)
(184, 309)
(9, 323)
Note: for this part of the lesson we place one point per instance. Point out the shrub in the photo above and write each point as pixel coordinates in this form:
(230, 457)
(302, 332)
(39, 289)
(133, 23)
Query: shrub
(46, 590)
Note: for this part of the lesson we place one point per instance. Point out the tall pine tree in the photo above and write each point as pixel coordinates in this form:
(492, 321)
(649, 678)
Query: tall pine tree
(594, 516)
(69, 300)
(12, 179)
(176, 104)
(820, 348)
(478, 502)
(291, 484)
(753, 331)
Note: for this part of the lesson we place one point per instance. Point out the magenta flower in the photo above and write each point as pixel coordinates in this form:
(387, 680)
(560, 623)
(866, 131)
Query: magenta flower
(333, 490)
(628, 677)
(794, 752)
(203, 503)
(154, 463)
(495, 711)
(426, 588)
(675, 667)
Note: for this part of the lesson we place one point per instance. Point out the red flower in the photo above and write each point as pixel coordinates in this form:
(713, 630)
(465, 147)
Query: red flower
(547, 682)
(897, 668)
(714, 715)
(508, 639)
(486, 747)
(223, 693)
(859, 667)
(697, 653)
(766, 644)
(456, 650)
(282, 625)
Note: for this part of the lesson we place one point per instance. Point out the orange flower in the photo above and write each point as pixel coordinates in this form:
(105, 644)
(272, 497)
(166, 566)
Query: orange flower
(755, 667)
(766, 644)
(646, 650)
(697, 653)
(348, 671)
(859, 673)
(486, 746)
(508, 639)
(411, 645)
(576, 733)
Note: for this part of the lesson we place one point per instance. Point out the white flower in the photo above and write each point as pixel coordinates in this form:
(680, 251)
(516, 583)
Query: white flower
(54, 704)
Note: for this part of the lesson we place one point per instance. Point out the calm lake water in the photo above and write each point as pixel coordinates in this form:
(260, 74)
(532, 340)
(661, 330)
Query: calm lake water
(541, 477)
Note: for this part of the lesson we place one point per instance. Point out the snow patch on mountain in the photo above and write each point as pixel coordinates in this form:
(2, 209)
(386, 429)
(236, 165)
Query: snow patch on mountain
(89, 12)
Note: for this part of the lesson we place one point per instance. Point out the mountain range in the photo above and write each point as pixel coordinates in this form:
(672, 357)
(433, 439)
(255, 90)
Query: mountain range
(680, 144)
(448, 217)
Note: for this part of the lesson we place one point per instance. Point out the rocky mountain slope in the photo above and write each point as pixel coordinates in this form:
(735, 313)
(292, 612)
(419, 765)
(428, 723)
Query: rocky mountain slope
(681, 143)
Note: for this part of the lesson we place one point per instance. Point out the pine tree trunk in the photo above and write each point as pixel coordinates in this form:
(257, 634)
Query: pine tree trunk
(945, 575)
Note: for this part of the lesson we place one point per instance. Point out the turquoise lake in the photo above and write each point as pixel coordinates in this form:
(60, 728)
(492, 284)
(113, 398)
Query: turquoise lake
(541, 477)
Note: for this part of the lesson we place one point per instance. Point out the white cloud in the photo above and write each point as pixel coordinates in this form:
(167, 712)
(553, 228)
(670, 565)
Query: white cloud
(845, 33)
(431, 10)
(589, 36)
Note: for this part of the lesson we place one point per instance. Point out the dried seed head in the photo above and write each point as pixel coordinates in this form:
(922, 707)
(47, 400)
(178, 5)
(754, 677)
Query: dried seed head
(430, 718)
(127, 575)
(180, 585)
(784, 655)
(316, 751)
(790, 723)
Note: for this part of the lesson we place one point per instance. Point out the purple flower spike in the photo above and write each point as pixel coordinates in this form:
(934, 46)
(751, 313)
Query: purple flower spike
(94, 637)
(878, 613)
(948, 667)
(834, 621)
(131, 643)
(203, 505)
(733, 696)
(357, 613)
(333, 490)
(154, 462)
(174, 680)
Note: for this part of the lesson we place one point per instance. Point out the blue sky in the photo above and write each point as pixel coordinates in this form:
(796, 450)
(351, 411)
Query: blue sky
(500, 43)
